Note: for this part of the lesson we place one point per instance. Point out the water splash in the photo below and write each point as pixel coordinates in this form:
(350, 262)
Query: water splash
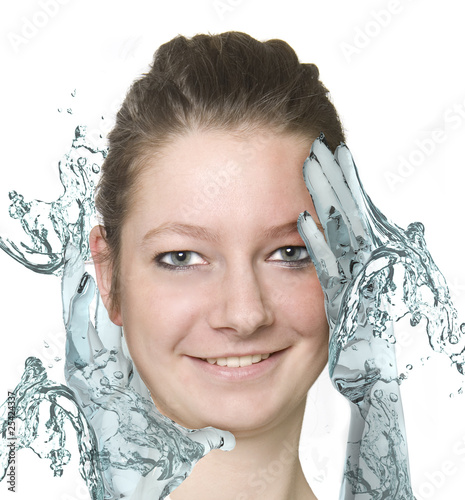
(125, 443)
(39, 410)
(373, 273)
(133, 441)
(133, 438)
(424, 294)
(131, 450)
(50, 226)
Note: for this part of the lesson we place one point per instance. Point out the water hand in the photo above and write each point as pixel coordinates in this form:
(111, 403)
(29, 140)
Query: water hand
(142, 452)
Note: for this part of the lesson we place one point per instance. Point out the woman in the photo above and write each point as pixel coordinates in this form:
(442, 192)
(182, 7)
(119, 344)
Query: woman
(225, 310)
(203, 265)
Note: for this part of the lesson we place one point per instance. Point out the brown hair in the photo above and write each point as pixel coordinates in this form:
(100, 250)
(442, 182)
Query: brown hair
(229, 81)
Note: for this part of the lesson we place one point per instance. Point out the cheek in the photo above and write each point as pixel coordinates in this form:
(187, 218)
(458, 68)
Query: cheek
(156, 316)
(302, 304)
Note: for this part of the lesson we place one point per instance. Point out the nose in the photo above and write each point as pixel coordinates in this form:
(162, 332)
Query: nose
(241, 306)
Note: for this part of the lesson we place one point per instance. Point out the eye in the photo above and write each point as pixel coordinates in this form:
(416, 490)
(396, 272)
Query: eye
(179, 259)
(293, 256)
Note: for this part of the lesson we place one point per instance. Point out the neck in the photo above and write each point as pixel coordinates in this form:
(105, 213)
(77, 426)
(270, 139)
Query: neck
(264, 465)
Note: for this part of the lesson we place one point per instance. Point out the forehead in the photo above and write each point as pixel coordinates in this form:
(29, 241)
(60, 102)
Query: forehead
(208, 175)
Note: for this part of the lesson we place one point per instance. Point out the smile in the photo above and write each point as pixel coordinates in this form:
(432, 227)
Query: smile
(239, 368)
(238, 361)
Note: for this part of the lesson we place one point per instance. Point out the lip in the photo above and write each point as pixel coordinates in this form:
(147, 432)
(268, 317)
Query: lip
(241, 373)
(237, 355)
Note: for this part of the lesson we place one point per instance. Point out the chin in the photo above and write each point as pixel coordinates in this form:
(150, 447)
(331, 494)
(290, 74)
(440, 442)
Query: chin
(238, 414)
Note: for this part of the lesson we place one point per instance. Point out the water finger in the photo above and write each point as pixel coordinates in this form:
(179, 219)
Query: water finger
(334, 173)
(328, 208)
(322, 256)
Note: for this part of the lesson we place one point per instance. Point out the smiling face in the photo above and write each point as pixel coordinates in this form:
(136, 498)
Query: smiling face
(221, 306)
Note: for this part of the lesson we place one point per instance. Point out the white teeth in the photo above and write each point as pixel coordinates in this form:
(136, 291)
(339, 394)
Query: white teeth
(235, 361)
(245, 360)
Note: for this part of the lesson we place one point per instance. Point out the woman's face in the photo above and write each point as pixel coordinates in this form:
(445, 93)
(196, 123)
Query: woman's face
(212, 267)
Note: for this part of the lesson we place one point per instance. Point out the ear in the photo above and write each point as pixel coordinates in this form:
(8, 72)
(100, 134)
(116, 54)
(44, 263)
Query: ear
(103, 270)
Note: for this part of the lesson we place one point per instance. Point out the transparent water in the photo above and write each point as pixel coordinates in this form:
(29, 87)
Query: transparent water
(121, 436)
(373, 273)
(49, 226)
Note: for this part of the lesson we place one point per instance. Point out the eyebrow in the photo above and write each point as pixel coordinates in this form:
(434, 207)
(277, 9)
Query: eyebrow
(287, 229)
(200, 232)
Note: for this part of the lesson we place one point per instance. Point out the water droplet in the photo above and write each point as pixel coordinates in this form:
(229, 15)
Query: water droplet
(81, 161)
(60, 110)
(69, 111)
(453, 339)
(378, 393)
(393, 397)
(409, 367)
(104, 381)
(118, 375)
(57, 359)
(73, 93)
(46, 345)
(95, 168)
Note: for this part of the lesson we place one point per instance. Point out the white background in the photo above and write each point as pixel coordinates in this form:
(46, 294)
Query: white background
(395, 71)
